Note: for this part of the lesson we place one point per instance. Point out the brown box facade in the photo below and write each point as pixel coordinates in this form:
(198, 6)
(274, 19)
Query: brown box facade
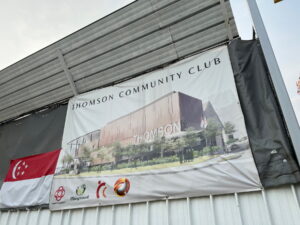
(167, 116)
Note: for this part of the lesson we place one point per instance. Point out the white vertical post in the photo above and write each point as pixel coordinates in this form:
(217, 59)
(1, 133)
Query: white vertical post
(113, 215)
(295, 197)
(97, 215)
(167, 212)
(129, 213)
(212, 209)
(237, 202)
(269, 217)
(147, 213)
(283, 97)
(27, 217)
(188, 203)
(38, 217)
(82, 216)
(18, 216)
(69, 217)
(61, 217)
(50, 218)
(7, 218)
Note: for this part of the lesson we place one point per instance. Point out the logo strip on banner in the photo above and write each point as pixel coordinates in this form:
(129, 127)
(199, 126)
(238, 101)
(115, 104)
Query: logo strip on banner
(172, 133)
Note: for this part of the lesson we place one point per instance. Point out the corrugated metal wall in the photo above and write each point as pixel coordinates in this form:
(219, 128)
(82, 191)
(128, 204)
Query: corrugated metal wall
(279, 206)
(141, 36)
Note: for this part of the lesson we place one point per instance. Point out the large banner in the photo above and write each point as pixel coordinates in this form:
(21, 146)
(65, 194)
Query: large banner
(172, 133)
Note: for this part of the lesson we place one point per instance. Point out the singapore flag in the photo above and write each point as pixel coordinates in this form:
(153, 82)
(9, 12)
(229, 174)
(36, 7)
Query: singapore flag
(28, 181)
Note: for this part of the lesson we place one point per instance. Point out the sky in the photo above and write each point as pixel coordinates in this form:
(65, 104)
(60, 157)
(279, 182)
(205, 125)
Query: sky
(27, 26)
(282, 24)
(30, 25)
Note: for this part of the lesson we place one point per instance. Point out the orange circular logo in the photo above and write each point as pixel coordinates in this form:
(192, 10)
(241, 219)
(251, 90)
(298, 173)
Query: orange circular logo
(122, 187)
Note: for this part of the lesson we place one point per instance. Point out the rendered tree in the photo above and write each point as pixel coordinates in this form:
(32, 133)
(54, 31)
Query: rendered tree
(133, 151)
(179, 144)
(162, 146)
(130, 152)
(67, 159)
(210, 132)
(101, 155)
(144, 150)
(117, 151)
(156, 145)
(229, 128)
(86, 153)
(190, 138)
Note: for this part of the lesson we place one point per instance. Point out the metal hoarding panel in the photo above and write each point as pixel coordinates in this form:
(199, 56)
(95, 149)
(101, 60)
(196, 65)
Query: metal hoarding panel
(135, 66)
(30, 92)
(31, 77)
(129, 30)
(275, 206)
(51, 97)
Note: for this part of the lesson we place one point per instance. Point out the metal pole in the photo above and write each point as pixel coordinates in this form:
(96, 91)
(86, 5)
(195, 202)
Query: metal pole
(67, 72)
(283, 97)
(226, 19)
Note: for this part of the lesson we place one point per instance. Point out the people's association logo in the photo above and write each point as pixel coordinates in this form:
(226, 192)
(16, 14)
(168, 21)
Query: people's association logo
(80, 190)
(19, 169)
(122, 187)
(101, 189)
(59, 193)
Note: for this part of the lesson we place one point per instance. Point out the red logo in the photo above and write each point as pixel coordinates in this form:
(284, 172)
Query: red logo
(60, 193)
(102, 185)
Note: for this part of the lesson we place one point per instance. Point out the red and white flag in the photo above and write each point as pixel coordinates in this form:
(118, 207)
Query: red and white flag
(28, 181)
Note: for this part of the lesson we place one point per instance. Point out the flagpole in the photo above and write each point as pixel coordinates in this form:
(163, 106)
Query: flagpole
(276, 77)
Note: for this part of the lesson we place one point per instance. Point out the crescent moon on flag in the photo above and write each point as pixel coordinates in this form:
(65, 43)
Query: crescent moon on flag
(14, 170)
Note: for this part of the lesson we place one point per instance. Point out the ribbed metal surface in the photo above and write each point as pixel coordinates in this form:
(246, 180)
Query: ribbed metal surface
(141, 36)
(270, 207)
